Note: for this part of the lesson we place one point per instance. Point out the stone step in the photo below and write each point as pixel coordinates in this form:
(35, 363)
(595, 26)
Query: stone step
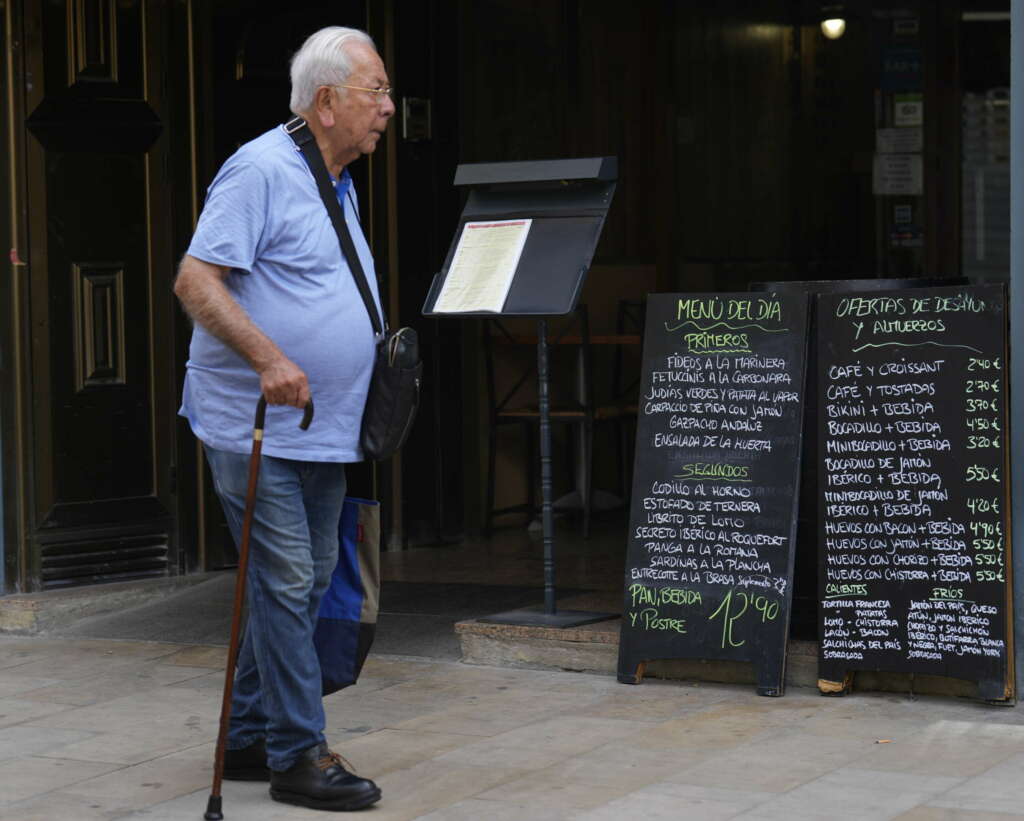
(32, 613)
(594, 648)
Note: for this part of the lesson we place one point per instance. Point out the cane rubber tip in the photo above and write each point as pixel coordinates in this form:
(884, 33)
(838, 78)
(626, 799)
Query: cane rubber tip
(213, 812)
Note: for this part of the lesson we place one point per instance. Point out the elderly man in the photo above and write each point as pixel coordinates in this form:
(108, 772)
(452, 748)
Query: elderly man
(277, 313)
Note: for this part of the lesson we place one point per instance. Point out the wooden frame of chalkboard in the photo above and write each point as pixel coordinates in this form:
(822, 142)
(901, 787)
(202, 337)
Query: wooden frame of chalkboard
(709, 564)
(915, 569)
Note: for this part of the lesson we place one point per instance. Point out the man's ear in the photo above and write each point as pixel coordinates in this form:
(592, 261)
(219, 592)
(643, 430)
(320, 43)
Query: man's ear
(322, 106)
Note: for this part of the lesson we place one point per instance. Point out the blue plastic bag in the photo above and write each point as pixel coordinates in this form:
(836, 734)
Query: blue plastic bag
(348, 613)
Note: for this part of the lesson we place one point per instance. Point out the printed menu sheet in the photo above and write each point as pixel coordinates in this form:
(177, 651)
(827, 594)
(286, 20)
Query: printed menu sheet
(483, 266)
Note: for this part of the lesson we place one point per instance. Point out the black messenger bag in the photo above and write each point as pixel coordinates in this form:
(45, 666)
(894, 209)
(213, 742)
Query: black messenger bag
(397, 371)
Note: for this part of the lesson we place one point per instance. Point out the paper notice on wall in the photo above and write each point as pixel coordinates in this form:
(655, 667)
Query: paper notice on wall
(898, 175)
(899, 140)
(907, 110)
(483, 266)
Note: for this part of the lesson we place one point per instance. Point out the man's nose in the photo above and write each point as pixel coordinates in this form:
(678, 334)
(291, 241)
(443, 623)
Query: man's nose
(388, 109)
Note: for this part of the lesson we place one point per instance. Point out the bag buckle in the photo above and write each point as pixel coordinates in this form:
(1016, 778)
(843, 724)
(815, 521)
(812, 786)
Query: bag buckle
(294, 125)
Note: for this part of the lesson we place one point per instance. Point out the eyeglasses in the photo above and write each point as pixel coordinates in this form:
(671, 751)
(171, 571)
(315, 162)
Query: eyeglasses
(378, 93)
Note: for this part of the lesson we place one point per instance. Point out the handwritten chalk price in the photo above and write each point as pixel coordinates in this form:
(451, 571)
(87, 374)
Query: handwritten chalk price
(976, 505)
(980, 473)
(975, 405)
(767, 608)
(975, 442)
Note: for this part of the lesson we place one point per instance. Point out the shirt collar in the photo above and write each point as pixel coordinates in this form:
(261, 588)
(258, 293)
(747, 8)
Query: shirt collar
(341, 185)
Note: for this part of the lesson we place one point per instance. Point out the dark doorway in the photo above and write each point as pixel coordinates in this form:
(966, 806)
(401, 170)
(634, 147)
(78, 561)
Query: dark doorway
(242, 89)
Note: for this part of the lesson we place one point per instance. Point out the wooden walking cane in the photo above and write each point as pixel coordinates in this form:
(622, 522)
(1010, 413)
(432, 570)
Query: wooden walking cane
(213, 806)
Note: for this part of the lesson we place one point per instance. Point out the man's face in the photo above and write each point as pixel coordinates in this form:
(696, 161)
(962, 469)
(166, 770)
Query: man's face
(361, 116)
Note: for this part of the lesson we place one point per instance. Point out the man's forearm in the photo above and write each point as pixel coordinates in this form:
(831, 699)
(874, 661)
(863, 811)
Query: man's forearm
(201, 289)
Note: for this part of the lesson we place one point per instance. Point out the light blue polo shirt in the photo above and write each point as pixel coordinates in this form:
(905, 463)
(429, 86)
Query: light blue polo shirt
(264, 219)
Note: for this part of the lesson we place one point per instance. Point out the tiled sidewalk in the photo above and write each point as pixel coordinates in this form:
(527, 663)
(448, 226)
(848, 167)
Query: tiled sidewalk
(115, 729)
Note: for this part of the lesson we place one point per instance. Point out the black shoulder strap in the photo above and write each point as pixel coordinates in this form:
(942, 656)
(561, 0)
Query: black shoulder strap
(306, 142)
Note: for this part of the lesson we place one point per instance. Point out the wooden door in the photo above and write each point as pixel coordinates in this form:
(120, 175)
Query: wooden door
(100, 428)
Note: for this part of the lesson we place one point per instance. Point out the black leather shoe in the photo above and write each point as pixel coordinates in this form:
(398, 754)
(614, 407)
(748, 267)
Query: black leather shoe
(247, 764)
(319, 780)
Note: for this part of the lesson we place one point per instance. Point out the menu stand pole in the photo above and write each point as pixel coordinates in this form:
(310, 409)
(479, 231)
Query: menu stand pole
(550, 616)
(546, 484)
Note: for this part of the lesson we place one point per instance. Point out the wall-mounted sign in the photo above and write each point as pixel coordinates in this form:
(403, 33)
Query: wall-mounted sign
(901, 69)
(907, 110)
(898, 175)
(899, 140)
(909, 236)
(906, 27)
(903, 214)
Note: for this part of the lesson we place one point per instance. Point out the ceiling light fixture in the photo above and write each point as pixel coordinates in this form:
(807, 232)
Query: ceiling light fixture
(833, 27)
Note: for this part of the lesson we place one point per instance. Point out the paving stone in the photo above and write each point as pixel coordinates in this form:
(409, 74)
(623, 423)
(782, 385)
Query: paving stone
(125, 750)
(626, 766)
(721, 726)
(25, 740)
(550, 789)
(476, 809)
(939, 751)
(200, 656)
(947, 814)
(671, 802)
(19, 710)
(29, 776)
(776, 764)
(136, 728)
(543, 743)
(110, 685)
(999, 789)
(375, 754)
(435, 784)
(16, 652)
(72, 656)
(853, 794)
(493, 716)
(241, 801)
(13, 684)
(151, 782)
(352, 713)
(53, 806)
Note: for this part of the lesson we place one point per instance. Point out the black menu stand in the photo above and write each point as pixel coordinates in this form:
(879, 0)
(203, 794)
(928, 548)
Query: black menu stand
(567, 201)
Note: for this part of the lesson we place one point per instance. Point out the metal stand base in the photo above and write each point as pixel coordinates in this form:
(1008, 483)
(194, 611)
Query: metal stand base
(538, 618)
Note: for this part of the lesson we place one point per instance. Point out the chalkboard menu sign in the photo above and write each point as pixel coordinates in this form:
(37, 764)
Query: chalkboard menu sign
(913, 513)
(709, 565)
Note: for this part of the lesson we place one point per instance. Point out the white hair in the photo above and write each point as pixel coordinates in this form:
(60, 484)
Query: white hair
(322, 60)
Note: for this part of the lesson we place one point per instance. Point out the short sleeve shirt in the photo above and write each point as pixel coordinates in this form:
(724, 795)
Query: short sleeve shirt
(264, 219)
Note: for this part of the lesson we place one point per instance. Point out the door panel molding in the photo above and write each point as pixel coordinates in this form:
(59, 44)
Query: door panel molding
(92, 41)
(99, 324)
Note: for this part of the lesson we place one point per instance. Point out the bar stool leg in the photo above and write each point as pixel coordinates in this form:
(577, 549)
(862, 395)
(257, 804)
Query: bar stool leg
(532, 470)
(588, 474)
(492, 447)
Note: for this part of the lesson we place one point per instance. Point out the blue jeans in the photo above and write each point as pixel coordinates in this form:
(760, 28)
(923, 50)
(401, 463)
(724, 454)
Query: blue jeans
(293, 548)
